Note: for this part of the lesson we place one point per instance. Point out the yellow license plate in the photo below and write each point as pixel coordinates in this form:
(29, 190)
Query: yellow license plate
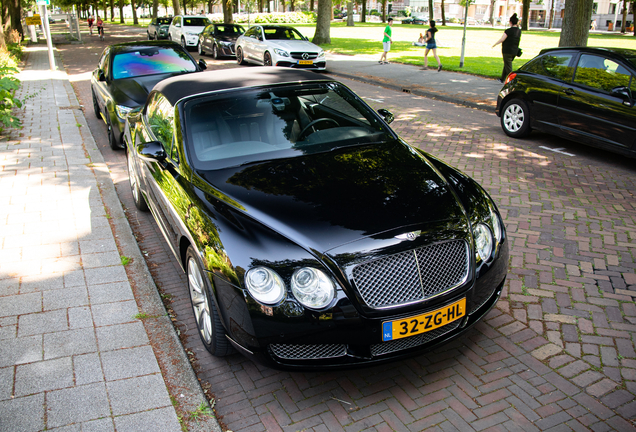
(411, 326)
(305, 62)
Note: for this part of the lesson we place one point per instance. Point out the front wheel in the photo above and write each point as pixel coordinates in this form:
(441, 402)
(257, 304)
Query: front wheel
(206, 316)
(112, 140)
(239, 56)
(200, 49)
(267, 59)
(170, 38)
(215, 52)
(183, 43)
(149, 37)
(515, 119)
(96, 106)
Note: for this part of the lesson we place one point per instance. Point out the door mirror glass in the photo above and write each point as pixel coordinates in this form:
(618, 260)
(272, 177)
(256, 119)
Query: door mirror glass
(386, 115)
(151, 151)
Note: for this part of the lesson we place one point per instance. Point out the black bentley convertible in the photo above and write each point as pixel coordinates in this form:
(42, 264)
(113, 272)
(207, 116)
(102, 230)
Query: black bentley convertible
(311, 234)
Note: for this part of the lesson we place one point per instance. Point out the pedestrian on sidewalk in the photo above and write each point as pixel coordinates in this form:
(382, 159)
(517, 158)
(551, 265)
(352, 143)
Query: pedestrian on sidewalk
(431, 45)
(100, 27)
(509, 45)
(386, 42)
(90, 20)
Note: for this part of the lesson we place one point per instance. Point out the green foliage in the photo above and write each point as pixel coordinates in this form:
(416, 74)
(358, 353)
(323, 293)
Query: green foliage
(288, 18)
(8, 85)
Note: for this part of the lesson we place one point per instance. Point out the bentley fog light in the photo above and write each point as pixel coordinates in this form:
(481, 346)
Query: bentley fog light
(265, 285)
(483, 241)
(312, 288)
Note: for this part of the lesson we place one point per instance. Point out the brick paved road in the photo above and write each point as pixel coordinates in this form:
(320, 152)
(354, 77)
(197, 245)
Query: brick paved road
(557, 352)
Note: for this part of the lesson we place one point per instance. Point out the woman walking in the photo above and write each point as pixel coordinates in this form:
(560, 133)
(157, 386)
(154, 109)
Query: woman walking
(509, 45)
(431, 45)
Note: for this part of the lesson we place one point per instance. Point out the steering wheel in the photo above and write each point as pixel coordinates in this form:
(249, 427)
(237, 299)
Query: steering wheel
(301, 135)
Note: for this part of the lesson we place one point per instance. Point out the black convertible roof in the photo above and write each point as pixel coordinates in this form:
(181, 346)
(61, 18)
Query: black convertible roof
(179, 87)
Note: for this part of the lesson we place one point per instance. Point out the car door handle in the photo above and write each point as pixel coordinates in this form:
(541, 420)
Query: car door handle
(569, 92)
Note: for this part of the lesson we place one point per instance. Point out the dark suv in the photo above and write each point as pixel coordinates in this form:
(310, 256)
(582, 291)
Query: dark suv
(584, 94)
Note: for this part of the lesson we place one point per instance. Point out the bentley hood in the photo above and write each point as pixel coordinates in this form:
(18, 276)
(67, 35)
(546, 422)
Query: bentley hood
(328, 199)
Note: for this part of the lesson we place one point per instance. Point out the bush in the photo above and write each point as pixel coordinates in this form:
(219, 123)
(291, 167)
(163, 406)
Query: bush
(8, 85)
(282, 18)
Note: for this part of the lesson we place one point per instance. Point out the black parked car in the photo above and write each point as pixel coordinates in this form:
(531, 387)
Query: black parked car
(219, 40)
(311, 234)
(158, 28)
(125, 75)
(585, 94)
(415, 20)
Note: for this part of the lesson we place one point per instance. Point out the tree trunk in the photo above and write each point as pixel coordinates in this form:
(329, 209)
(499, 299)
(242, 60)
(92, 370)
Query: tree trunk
(311, 5)
(134, 12)
(443, 14)
(384, 10)
(176, 7)
(112, 10)
(291, 5)
(15, 9)
(2, 42)
(363, 18)
(121, 11)
(350, 14)
(227, 11)
(431, 10)
(526, 13)
(492, 12)
(323, 22)
(576, 23)
(623, 22)
(155, 9)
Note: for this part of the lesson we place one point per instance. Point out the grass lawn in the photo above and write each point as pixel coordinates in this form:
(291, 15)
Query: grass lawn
(479, 57)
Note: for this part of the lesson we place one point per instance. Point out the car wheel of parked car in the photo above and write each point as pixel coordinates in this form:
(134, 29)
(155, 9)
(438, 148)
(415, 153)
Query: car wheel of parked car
(205, 314)
(156, 37)
(239, 56)
(515, 119)
(139, 200)
(149, 37)
(183, 43)
(96, 106)
(267, 59)
(112, 141)
(200, 49)
(170, 38)
(215, 52)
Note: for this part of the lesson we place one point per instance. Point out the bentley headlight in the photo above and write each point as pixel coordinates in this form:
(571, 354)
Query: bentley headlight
(281, 52)
(122, 111)
(483, 241)
(265, 285)
(312, 288)
(496, 225)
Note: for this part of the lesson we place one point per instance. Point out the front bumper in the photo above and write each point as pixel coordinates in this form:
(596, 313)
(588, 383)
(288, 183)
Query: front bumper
(191, 40)
(343, 337)
(320, 65)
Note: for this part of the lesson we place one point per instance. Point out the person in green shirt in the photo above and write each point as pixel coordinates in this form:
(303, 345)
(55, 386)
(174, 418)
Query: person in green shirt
(386, 42)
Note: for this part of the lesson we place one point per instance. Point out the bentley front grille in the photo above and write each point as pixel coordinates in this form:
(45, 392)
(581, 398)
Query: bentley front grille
(413, 341)
(414, 275)
(308, 352)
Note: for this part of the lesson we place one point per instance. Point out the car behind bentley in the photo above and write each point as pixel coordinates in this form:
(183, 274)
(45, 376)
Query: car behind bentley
(311, 234)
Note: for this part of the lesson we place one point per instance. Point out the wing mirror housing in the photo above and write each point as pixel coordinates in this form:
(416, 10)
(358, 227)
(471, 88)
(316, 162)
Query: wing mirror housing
(624, 93)
(202, 64)
(151, 151)
(100, 74)
(386, 115)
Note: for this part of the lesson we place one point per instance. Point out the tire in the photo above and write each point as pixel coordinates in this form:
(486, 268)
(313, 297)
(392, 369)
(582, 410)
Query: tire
(156, 36)
(170, 38)
(515, 119)
(96, 106)
(149, 37)
(112, 141)
(206, 316)
(138, 199)
(215, 52)
(200, 49)
(239, 56)
(267, 59)
(183, 43)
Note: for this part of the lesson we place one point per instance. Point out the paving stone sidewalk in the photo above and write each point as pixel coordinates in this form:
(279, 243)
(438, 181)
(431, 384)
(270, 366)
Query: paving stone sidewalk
(74, 354)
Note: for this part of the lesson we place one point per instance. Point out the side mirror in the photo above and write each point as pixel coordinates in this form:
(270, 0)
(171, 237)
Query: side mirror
(202, 64)
(151, 151)
(623, 93)
(386, 115)
(101, 75)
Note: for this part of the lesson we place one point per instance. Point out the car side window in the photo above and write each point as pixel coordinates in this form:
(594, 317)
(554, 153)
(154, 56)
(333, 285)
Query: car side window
(160, 114)
(601, 73)
(552, 65)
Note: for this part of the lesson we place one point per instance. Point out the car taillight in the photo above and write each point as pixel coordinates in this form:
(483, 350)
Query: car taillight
(510, 77)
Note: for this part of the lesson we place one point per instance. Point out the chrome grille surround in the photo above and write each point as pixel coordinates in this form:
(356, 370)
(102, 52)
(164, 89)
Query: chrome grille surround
(299, 55)
(308, 352)
(413, 276)
(413, 341)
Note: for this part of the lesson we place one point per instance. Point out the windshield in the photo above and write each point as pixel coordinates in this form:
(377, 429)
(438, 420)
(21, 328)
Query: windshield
(250, 125)
(229, 30)
(282, 33)
(164, 21)
(195, 22)
(150, 61)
